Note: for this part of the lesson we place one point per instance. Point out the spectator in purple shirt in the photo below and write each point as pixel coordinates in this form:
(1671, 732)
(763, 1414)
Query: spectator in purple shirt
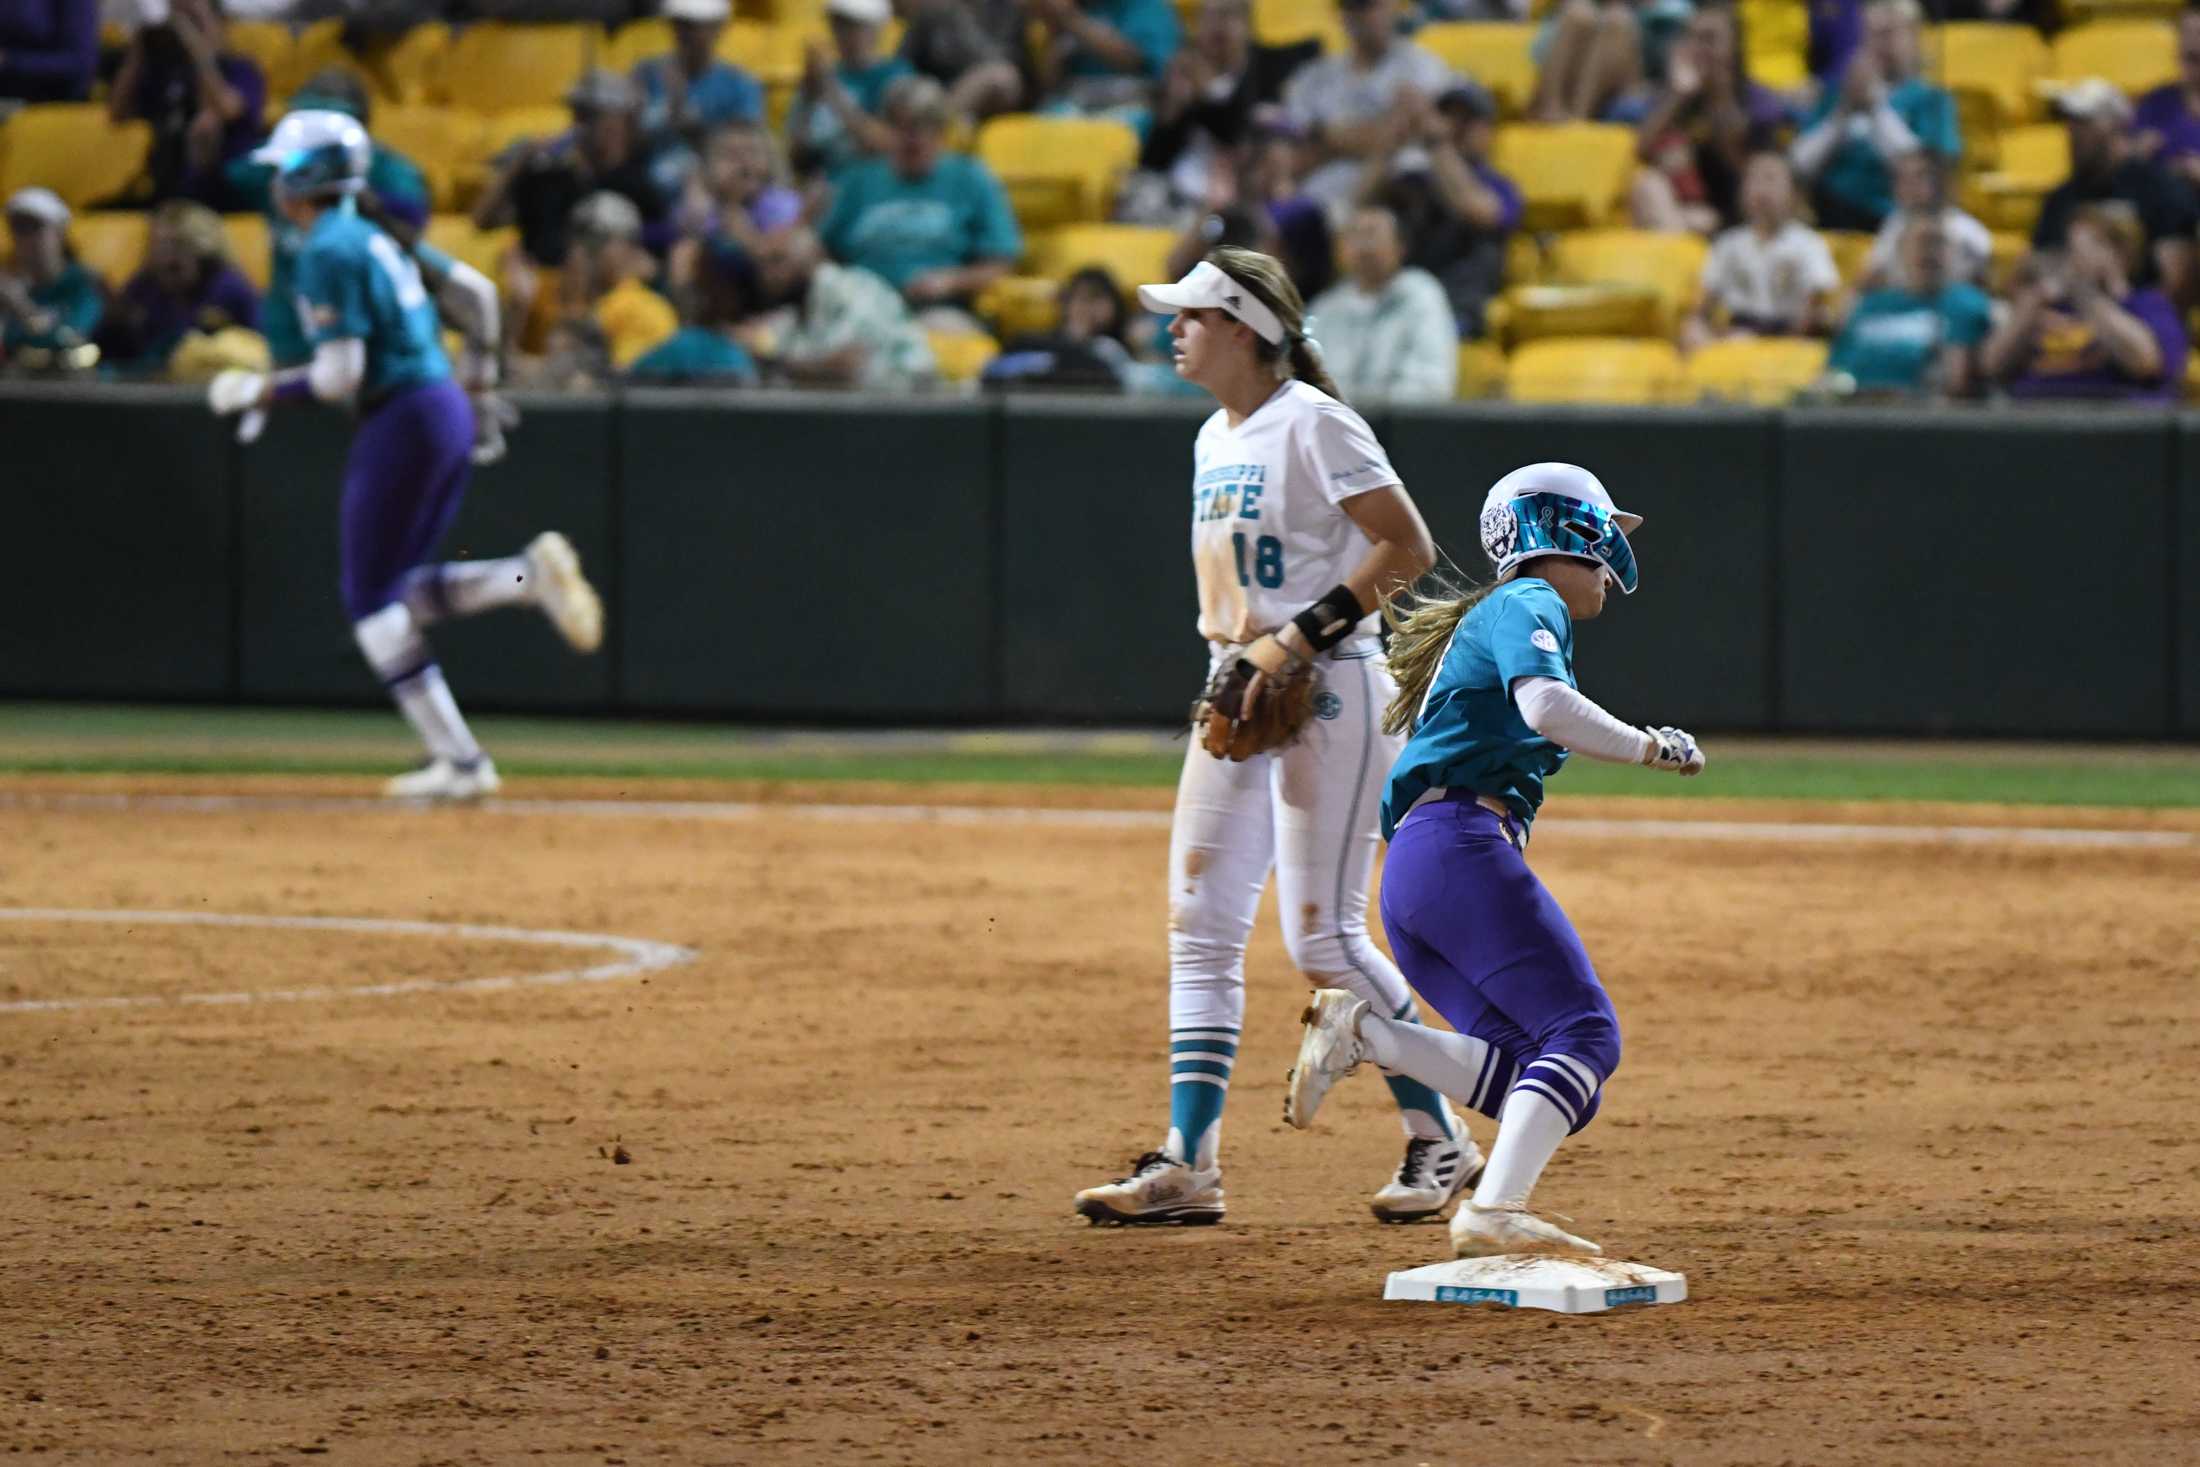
(734, 199)
(2167, 123)
(202, 100)
(48, 49)
(2078, 329)
(186, 284)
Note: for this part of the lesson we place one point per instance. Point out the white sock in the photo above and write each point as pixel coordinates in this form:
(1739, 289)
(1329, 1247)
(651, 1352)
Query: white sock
(1450, 1064)
(1527, 1137)
(426, 701)
(469, 587)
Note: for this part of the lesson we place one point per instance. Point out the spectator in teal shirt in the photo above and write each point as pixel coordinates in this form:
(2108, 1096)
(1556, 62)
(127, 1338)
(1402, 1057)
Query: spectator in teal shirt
(1104, 55)
(48, 302)
(707, 352)
(935, 224)
(690, 91)
(835, 122)
(1922, 335)
(1880, 110)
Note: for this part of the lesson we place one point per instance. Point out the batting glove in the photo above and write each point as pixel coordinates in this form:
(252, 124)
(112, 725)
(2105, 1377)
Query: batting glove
(493, 418)
(1674, 750)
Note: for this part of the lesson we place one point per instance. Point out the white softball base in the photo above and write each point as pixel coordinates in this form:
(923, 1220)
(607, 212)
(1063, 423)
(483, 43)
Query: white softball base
(1531, 1281)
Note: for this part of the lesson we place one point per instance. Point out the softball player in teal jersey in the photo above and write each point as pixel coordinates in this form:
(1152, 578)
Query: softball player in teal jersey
(1300, 527)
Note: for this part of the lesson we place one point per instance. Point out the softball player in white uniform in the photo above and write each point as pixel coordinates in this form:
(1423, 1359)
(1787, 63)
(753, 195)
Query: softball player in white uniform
(1299, 528)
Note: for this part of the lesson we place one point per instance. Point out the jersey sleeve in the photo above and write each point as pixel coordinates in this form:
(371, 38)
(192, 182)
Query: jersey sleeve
(332, 294)
(1342, 453)
(1529, 637)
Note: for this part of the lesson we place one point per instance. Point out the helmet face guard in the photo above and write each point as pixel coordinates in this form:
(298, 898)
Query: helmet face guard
(1520, 529)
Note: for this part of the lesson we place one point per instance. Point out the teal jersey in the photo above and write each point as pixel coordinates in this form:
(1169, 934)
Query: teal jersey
(1469, 734)
(1893, 338)
(395, 181)
(74, 301)
(354, 282)
(903, 227)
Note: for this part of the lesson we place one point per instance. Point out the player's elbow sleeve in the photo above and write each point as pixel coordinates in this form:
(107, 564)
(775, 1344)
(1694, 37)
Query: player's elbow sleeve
(338, 368)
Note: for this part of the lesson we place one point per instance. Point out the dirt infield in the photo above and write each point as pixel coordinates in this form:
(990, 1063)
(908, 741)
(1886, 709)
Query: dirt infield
(1915, 1118)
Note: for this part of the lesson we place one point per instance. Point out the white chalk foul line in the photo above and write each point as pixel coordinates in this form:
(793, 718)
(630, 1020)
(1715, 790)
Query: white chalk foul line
(1648, 828)
(636, 957)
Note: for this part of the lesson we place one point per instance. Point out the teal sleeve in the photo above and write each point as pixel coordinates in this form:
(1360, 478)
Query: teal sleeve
(81, 305)
(1970, 317)
(432, 261)
(1151, 26)
(998, 238)
(249, 184)
(332, 290)
(1527, 639)
(841, 217)
(1932, 116)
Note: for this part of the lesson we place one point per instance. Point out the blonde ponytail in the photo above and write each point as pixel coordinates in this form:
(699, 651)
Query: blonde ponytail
(1421, 625)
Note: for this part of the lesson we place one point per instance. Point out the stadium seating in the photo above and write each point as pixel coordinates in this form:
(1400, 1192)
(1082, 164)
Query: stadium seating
(1058, 170)
(2137, 55)
(314, 48)
(1776, 38)
(455, 235)
(267, 45)
(409, 69)
(2001, 62)
(445, 141)
(1481, 371)
(494, 67)
(1290, 22)
(1494, 53)
(635, 41)
(71, 148)
(1019, 304)
(1571, 175)
(1851, 250)
(770, 53)
(1609, 371)
(2034, 159)
(248, 246)
(111, 243)
(961, 355)
(1670, 266)
(2009, 251)
(1759, 371)
(1134, 255)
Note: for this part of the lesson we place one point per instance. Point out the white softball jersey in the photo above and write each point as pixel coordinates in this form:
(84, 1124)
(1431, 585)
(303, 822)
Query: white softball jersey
(1268, 535)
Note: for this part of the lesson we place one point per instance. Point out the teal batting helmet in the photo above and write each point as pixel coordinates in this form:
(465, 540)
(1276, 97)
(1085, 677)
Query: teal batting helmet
(1557, 509)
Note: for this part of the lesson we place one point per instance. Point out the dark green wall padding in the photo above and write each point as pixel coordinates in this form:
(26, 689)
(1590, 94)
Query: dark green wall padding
(784, 557)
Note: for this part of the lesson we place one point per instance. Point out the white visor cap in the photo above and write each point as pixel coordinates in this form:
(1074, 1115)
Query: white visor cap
(1209, 288)
(1571, 480)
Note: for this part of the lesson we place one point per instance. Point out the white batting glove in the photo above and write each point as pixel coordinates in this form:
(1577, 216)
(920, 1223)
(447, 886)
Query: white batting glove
(235, 391)
(1674, 750)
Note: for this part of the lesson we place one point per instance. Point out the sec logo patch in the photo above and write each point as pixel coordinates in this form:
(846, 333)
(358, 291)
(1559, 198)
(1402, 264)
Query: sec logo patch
(1327, 705)
(1542, 638)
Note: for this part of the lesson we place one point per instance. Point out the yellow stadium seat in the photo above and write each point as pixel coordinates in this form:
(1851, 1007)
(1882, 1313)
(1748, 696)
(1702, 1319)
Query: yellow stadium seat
(1018, 305)
(2009, 250)
(1668, 265)
(1777, 37)
(2005, 62)
(444, 141)
(1133, 254)
(961, 355)
(1525, 259)
(267, 44)
(506, 128)
(1596, 370)
(1058, 170)
(407, 70)
(1290, 22)
(2137, 55)
(636, 41)
(1494, 53)
(2034, 159)
(1978, 119)
(1761, 371)
(770, 53)
(455, 235)
(248, 245)
(1851, 249)
(111, 243)
(1481, 371)
(71, 148)
(318, 46)
(494, 67)
(1570, 174)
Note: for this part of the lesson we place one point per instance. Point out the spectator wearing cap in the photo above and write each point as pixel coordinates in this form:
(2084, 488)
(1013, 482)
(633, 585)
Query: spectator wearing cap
(1920, 335)
(49, 303)
(187, 285)
(849, 328)
(1359, 108)
(1099, 56)
(202, 100)
(1455, 209)
(2078, 327)
(1702, 124)
(394, 179)
(689, 91)
(1386, 329)
(2105, 166)
(2166, 123)
(1921, 192)
(970, 47)
(935, 225)
(1769, 275)
(605, 278)
(1881, 109)
(835, 122)
(539, 183)
(1208, 98)
(49, 49)
(708, 350)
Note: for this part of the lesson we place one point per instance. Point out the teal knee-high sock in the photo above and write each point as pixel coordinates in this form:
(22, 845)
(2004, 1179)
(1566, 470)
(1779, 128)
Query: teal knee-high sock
(1200, 1062)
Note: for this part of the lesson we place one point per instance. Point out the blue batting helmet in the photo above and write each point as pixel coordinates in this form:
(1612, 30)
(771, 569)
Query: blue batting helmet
(318, 152)
(1557, 509)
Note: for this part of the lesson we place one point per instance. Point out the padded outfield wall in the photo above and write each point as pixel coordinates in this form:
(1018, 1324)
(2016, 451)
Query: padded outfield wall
(782, 557)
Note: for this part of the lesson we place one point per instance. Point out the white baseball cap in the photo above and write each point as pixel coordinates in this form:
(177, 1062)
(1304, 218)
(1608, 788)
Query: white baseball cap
(2093, 98)
(869, 12)
(702, 11)
(42, 204)
(1209, 287)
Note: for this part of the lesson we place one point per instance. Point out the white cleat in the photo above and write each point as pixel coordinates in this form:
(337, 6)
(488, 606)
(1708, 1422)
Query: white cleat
(1481, 1232)
(1433, 1173)
(1328, 1051)
(1159, 1190)
(439, 781)
(563, 592)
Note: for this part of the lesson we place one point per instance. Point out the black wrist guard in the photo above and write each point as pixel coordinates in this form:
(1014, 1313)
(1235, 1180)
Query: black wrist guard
(1329, 620)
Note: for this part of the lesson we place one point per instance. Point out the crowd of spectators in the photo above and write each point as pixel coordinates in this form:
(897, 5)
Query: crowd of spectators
(679, 231)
